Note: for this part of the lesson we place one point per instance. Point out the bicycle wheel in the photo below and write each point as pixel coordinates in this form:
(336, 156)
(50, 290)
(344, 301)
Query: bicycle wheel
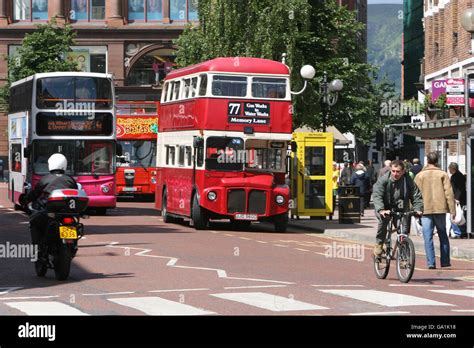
(382, 263)
(405, 260)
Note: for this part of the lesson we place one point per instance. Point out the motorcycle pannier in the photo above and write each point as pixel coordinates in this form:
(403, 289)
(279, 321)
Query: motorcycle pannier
(67, 201)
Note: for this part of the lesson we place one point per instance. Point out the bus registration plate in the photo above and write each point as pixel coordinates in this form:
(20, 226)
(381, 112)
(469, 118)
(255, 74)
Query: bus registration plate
(251, 217)
(129, 189)
(66, 232)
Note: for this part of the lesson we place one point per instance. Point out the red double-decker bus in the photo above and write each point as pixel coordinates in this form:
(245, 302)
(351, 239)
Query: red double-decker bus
(137, 127)
(225, 126)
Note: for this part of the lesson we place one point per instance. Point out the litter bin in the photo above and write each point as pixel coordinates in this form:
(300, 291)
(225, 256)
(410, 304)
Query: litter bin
(349, 205)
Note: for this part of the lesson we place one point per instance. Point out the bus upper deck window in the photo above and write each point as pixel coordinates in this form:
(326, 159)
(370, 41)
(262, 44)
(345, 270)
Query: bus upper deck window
(265, 87)
(229, 86)
(193, 87)
(203, 85)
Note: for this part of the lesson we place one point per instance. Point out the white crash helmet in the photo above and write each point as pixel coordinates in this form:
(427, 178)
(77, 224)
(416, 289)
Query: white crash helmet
(57, 161)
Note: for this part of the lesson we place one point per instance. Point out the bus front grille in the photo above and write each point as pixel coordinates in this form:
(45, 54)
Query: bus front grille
(257, 202)
(236, 201)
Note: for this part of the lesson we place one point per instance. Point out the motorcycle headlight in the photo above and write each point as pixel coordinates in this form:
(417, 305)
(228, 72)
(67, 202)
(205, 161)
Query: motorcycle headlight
(279, 199)
(212, 196)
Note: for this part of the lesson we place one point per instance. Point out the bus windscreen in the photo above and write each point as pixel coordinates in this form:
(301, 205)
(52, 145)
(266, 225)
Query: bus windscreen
(72, 93)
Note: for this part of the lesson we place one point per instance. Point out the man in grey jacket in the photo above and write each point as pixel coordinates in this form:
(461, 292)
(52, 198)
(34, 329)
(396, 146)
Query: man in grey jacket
(394, 190)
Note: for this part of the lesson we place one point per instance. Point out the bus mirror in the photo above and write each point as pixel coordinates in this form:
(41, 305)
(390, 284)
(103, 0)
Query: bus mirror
(198, 141)
(26, 152)
(293, 146)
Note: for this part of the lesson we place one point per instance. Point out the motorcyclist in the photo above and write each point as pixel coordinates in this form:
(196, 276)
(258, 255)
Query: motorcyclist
(57, 164)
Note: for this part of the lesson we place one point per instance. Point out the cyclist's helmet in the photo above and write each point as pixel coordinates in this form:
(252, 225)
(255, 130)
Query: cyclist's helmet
(57, 161)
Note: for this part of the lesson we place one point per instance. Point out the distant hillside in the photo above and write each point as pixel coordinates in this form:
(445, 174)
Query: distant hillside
(384, 35)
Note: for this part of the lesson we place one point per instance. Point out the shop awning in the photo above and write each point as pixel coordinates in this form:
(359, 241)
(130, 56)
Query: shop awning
(439, 129)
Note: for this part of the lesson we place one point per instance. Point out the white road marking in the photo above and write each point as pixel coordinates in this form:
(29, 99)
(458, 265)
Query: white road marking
(468, 293)
(262, 242)
(179, 290)
(6, 290)
(173, 261)
(379, 313)
(245, 238)
(159, 306)
(111, 293)
(301, 249)
(254, 287)
(387, 299)
(1, 206)
(26, 297)
(45, 308)
(342, 285)
(417, 285)
(267, 301)
(281, 246)
(463, 310)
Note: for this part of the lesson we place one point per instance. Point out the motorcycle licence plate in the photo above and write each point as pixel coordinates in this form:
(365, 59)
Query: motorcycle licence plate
(251, 217)
(66, 232)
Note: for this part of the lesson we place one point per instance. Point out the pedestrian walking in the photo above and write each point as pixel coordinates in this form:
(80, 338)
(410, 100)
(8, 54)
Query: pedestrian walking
(438, 199)
(346, 174)
(385, 169)
(417, 167)
(361, 180)
(458, 182)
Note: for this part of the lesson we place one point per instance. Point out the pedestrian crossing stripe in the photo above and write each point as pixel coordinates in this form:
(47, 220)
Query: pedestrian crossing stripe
(468, 293)
(44, 308)
(269, 302)
(159, 306)
(387, 299)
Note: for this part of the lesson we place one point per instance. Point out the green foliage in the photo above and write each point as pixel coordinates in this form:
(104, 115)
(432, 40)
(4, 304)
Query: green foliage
(43, 50)
(315, 32)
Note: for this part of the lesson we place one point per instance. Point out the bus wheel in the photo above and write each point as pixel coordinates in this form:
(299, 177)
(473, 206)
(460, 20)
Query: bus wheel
(281, 222)
(200, 218)
(164, 210)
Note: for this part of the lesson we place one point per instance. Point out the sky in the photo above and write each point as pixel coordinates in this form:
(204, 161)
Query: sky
(385, 2)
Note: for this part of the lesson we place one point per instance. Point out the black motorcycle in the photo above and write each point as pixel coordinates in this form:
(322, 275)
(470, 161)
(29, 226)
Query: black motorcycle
(59, 244)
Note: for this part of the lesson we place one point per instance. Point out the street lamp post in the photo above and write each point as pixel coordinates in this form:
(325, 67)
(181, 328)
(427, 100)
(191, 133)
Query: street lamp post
(329, 93)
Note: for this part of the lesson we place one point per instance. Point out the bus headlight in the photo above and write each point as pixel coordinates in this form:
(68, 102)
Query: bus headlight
(279, 199)
(105, 188)
(212, 196)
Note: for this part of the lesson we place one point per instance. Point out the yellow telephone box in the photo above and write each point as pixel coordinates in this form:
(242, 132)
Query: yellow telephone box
(311, 174)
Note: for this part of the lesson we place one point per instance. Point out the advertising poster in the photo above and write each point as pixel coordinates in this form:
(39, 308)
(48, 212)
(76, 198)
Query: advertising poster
(81, 58)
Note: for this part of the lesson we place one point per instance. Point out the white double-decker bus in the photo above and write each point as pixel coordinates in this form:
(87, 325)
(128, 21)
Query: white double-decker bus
(72, 113)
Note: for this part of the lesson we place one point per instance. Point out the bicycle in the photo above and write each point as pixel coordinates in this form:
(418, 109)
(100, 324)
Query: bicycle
(404, 249)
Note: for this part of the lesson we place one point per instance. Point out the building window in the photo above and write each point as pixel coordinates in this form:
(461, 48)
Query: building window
(142, 10)
(152, 68)
(87, 10)
(27, 10)
(89, 58)
(182, 10)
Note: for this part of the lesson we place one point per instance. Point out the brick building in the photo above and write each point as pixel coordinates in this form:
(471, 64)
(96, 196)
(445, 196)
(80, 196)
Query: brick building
(447, 55)
(131, 39)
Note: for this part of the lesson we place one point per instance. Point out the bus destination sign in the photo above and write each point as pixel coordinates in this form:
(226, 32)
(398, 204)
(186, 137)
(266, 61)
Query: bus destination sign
(249, 113)
(49, 124)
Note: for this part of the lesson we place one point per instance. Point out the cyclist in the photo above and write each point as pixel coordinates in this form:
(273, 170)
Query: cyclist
(394, 190)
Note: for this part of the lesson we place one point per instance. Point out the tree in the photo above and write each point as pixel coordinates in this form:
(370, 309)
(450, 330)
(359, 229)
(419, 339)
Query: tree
(315, 32)
(44, 50)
